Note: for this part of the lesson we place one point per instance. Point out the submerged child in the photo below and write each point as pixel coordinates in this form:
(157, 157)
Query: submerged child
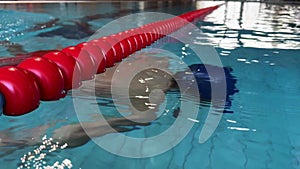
(142, 113)
(143, 108)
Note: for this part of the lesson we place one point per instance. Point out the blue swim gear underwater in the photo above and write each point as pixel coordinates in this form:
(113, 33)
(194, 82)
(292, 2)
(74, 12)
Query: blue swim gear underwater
(205, 80)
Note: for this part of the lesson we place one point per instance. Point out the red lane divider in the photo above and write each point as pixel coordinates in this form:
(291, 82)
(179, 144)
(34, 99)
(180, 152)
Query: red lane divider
(69, 68)
(96, 55)
(48, 75)
(20, 91)
(86, 63)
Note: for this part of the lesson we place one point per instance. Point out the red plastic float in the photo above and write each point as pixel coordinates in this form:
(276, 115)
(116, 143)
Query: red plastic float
(115, 47)
(69, 67)
(124, 44)
(47, 77)
(96, 55)
(106, 52)
(86, 63)
(132, 41)
(19, 89)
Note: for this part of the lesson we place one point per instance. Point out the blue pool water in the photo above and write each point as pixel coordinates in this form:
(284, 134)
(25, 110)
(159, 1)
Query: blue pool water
(260, 42)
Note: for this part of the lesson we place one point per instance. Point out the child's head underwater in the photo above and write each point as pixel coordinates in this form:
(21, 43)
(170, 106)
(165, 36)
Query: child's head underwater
(206, 80)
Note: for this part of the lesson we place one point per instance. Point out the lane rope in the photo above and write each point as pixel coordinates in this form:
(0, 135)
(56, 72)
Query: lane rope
(48, 75)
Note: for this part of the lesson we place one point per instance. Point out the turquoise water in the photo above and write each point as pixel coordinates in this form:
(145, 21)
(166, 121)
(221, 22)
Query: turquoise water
(260, 42)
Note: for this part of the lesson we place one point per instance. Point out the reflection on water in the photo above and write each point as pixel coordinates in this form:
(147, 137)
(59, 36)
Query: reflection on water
(257, 25)
(261, 43)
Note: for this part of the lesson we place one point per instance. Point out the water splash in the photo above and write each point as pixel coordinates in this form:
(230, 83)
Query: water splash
(37, 158)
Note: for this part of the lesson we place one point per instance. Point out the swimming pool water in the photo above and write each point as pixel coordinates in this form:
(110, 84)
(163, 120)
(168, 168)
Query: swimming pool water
(259, 41)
